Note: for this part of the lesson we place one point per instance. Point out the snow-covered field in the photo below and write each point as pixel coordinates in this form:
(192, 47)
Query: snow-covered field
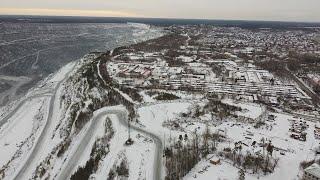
(277, 132)
(76, 122)
(293, 151)
(139, 155)
(152, 117)
(24, 128)
(250, 110)
(24, 124)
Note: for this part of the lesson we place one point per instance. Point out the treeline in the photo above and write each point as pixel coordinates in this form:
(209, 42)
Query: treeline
(166, 96)
(114, 97)
(89, 87)
(185, 153)
(275, 66)
(305, 164)
(215, 107)
(97, 154)
(132, 92)
(306, 58)
(99, 151)
(255, 161)
(84, 93)
(119, 172)
(169, 41)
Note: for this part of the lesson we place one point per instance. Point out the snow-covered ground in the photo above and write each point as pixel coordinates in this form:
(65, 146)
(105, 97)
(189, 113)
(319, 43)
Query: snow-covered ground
(24, 128)
(140, 154)
(278, 133)
(152, 117)
(31, 130)
(32, 137)
(25, 123)
(249, 110)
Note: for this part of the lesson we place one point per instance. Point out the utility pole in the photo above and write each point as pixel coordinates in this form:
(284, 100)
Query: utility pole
(129, 140)
(169, 130)
(164, 140)
(129, 137)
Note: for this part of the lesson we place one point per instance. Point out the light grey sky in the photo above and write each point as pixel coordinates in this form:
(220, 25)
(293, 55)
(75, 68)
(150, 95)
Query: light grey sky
(286, 10)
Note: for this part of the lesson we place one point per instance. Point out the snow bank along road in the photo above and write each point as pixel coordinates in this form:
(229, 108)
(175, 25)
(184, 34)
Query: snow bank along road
(122, 115)
(41, 141)
(7, 117)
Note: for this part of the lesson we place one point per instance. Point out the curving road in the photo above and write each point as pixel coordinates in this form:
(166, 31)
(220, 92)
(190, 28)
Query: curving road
(41, 140)
(67, 170)
(72, 161)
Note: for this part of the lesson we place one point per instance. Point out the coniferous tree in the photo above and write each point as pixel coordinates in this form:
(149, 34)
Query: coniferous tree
(241, 174)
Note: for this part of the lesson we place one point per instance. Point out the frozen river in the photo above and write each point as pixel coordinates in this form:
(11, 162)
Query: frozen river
(32, 51)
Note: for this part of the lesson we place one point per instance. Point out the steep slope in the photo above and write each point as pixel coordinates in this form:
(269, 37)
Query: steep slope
(66, 116)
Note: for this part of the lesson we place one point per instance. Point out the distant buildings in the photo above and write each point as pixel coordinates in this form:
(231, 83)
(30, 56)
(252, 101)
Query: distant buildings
(152, 71)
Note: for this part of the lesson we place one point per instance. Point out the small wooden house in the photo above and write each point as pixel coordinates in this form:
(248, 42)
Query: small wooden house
(215, 161)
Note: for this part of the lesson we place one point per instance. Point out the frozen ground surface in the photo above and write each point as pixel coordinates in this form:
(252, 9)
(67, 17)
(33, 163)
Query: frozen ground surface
(22, 125)
(139, 155)
(28, 125)
(288, 167)
(152, 117)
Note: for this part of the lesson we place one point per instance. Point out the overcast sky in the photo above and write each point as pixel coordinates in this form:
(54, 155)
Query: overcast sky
(286, 10)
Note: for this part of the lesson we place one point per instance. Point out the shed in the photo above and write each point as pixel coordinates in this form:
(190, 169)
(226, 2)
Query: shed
(215, 161)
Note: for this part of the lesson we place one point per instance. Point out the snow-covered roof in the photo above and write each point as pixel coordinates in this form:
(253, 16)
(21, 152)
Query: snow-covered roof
(314, 170)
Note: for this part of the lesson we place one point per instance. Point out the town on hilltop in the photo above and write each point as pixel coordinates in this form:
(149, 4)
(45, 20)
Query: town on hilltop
(191, 102)
(245, 101)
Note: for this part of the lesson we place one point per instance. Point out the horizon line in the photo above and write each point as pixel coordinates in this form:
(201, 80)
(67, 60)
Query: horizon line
(161, 18)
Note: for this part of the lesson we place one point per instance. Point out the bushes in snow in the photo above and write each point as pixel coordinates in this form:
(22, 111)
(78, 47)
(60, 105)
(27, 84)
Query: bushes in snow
(255, 162)
(120, 171)
(166, 97)
(170, 41)
(99, 150)
(63, 147)
(132, 92)
(242, 175)
(83, 117)
(123, 170)
(87, 92)
(305, 164)
(216, 108)
(185, 153)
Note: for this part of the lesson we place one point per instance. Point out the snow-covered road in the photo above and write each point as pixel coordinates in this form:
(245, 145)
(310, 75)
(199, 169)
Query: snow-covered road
(26, 167)
(122, 115)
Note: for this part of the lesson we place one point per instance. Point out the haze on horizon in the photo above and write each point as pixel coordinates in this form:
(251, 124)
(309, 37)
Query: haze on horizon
(275, 10)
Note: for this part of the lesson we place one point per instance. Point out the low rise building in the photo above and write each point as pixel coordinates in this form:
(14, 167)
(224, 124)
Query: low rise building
(312, 172)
